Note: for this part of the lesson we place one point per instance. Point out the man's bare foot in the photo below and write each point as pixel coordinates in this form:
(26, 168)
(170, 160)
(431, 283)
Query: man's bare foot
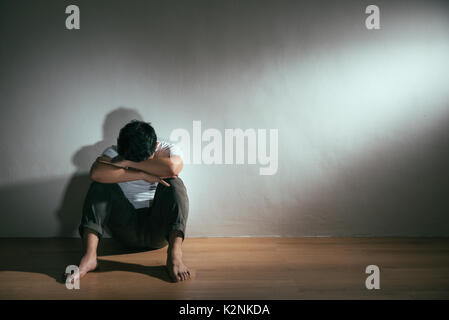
(176, 268)
(88, 263)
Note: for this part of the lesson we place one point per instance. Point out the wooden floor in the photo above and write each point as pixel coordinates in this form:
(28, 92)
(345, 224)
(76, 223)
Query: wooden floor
(233, 268)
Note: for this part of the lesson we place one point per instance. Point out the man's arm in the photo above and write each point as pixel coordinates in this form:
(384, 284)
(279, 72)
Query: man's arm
(104, 171)
(161, 166)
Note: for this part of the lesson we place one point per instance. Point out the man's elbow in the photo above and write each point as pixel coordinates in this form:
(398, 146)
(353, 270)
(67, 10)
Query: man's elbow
(95, 176)
(175, 168)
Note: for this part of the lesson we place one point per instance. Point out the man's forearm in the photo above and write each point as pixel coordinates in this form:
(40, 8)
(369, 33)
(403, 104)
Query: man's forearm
(161, 167)
(110, 174)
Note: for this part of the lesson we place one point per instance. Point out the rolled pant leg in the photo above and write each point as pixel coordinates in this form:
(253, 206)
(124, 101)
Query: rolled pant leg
(106, 206)
(168, 212)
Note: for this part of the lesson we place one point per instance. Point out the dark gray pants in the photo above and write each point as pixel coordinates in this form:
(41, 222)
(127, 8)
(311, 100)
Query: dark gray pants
(106, 206)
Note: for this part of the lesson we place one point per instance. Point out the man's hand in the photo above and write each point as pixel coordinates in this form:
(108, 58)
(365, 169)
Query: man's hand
(150, 178)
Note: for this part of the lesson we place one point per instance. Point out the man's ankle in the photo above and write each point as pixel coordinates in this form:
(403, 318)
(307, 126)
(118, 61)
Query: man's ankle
(90, 254)
(174, 251)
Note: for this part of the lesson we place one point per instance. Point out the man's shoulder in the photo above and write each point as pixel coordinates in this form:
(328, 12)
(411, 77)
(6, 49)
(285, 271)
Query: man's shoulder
(169, 149)
(111, 151)
(164, 144)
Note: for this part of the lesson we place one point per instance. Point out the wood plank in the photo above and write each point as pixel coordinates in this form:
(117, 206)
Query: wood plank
(233, 268)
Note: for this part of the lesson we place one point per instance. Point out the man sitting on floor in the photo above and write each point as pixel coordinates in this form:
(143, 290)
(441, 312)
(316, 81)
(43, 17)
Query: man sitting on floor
(136, 194)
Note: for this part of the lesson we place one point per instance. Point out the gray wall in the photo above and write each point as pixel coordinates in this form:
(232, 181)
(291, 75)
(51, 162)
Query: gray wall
(362, 115)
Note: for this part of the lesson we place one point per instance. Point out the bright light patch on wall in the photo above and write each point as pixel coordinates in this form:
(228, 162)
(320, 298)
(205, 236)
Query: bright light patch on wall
(367, 90)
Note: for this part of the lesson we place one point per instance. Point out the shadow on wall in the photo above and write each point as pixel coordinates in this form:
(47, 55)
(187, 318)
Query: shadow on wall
(26, 207)
(69, 212)
(398, 189)
(232, 54)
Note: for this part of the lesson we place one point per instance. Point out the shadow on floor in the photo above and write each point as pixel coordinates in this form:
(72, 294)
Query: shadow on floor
(51, 256)
(159, 272)
(110, 247)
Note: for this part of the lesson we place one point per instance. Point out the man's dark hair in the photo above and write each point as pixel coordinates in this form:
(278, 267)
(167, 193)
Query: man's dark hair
(136, 141)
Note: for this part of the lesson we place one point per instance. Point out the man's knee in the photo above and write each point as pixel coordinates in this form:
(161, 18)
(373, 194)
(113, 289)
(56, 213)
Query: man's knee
(96, 186)
(175, 193)
(177, 188)
(99, 186)
(176, 183)
(99, 191)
